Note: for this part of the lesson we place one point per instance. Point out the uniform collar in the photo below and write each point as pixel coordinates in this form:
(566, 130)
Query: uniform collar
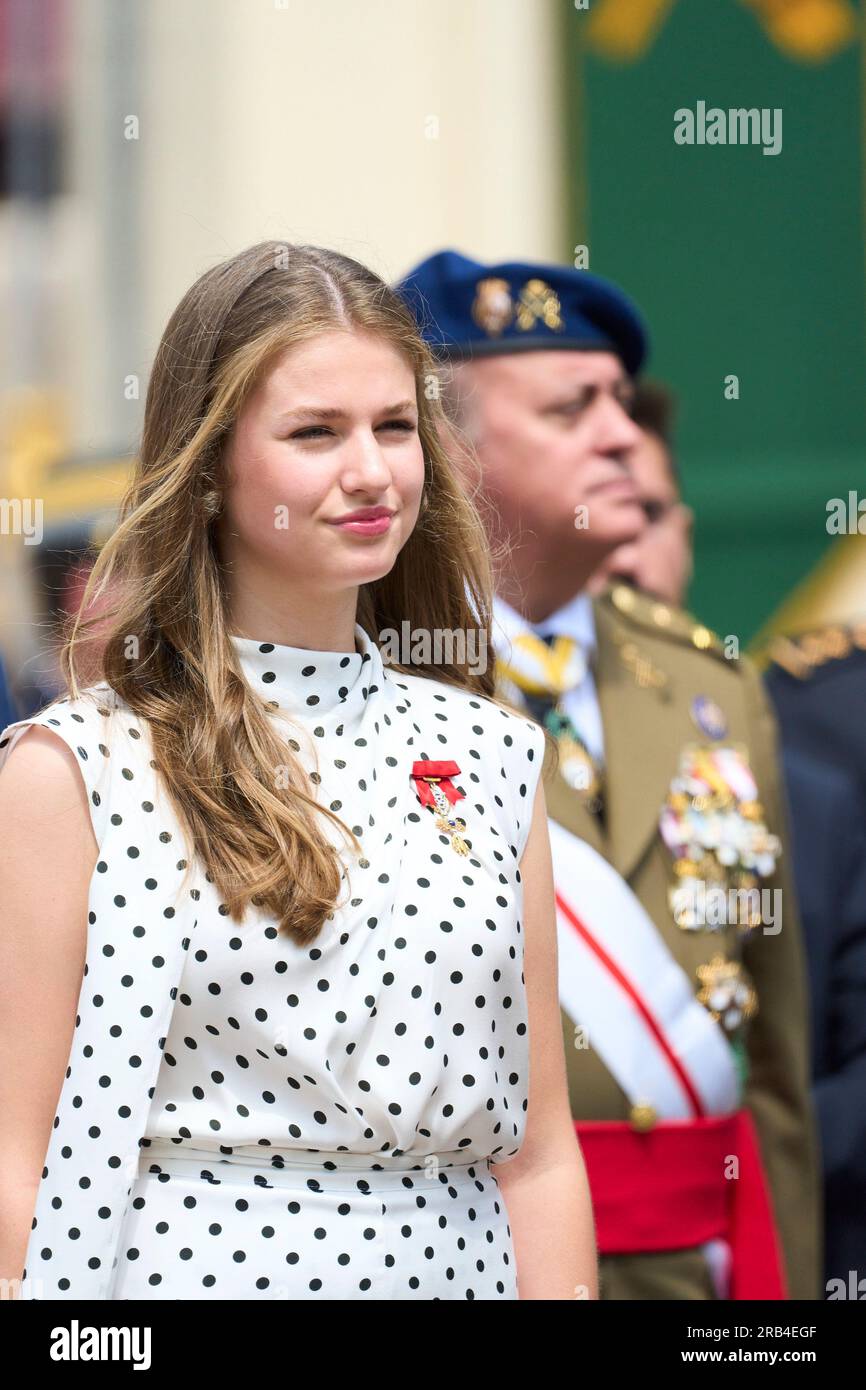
(300, 680)
(574, 619)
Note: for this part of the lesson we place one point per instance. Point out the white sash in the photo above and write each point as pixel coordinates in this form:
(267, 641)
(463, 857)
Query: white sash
(615, 1027)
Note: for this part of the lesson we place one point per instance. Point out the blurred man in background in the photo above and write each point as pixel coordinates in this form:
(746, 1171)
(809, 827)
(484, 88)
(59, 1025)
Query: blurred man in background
(817, 681)
(679, 1033)
(818, 684)
(659, 560)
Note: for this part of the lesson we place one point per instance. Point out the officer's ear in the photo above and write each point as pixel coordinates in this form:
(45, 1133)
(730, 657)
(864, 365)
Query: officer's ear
(688, 518)
(459, 396)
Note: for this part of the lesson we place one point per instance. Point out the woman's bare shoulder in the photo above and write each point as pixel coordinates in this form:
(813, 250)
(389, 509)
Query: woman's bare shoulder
(42, 788)
(41, 755)
(86, 726)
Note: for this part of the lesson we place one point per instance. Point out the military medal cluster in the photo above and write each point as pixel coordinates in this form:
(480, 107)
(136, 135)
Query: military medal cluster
(712, 823)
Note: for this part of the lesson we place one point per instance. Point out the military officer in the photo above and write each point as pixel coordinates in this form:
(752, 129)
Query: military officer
(817, 682)
(681, 978)
(660, 561)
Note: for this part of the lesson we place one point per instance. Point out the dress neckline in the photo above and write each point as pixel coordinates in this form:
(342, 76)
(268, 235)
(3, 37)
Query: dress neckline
(301, 680)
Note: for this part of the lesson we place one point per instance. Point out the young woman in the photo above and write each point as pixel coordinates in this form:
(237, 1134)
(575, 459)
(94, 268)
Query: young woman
(281, 1018)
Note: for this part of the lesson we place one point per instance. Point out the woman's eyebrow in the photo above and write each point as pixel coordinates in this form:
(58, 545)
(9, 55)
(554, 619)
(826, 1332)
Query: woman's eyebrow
(325, 412)
(329, 412)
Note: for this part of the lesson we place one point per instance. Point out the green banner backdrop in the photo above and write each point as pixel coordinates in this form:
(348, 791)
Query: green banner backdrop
(746, 264)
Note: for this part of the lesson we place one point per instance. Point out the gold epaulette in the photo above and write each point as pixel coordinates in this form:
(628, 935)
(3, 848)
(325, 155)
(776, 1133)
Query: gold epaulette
(804, 653)
(665, 620)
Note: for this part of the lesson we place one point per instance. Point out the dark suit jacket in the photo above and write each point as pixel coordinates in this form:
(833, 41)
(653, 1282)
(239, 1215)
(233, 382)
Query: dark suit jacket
(822, 713)
(828, 824)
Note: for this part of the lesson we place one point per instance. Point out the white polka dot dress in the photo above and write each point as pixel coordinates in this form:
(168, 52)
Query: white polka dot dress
(324, 1121)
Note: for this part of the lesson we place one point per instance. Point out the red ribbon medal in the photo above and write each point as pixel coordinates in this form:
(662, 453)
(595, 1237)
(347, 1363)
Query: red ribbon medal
(436, 790)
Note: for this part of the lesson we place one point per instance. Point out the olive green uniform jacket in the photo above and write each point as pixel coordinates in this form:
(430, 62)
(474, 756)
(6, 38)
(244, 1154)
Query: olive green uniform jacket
(652, 662)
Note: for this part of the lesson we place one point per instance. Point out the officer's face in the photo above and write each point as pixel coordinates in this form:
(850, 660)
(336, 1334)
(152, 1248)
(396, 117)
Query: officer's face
(553, 433)
(660, 560)
(333, 428)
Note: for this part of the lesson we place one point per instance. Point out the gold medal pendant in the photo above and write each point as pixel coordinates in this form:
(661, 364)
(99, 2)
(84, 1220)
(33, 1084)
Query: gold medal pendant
(578, 768)
(727, 992)
(446, 821)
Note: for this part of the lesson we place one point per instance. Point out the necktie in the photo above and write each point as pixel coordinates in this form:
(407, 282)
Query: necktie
(544, 668)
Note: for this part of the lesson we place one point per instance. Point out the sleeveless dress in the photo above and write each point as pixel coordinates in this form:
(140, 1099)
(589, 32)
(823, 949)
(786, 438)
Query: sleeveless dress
(327, 1119)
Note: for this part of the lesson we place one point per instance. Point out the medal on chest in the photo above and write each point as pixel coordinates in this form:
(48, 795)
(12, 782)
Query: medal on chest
(577, 766)
(727, 992)
(729, 996)
(712, 823)
(437, 792)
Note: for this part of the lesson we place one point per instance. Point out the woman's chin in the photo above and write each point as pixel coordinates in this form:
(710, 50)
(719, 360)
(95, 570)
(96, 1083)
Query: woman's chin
(367, 571)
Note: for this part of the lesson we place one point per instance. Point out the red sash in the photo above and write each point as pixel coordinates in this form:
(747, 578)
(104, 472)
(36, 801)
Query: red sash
(666, 1189)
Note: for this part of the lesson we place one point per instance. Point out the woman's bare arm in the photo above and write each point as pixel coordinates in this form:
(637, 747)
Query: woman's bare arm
(48, 852)
(545, 1185)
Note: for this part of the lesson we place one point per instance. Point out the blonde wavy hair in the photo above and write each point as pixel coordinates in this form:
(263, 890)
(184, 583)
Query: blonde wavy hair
(215, 746)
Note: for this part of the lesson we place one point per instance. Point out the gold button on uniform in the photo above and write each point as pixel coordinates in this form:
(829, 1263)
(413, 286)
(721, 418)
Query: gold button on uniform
(623, 598)
(642, 1117)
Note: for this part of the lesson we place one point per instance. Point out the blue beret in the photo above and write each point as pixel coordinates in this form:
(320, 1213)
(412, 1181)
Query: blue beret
(465, 309)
